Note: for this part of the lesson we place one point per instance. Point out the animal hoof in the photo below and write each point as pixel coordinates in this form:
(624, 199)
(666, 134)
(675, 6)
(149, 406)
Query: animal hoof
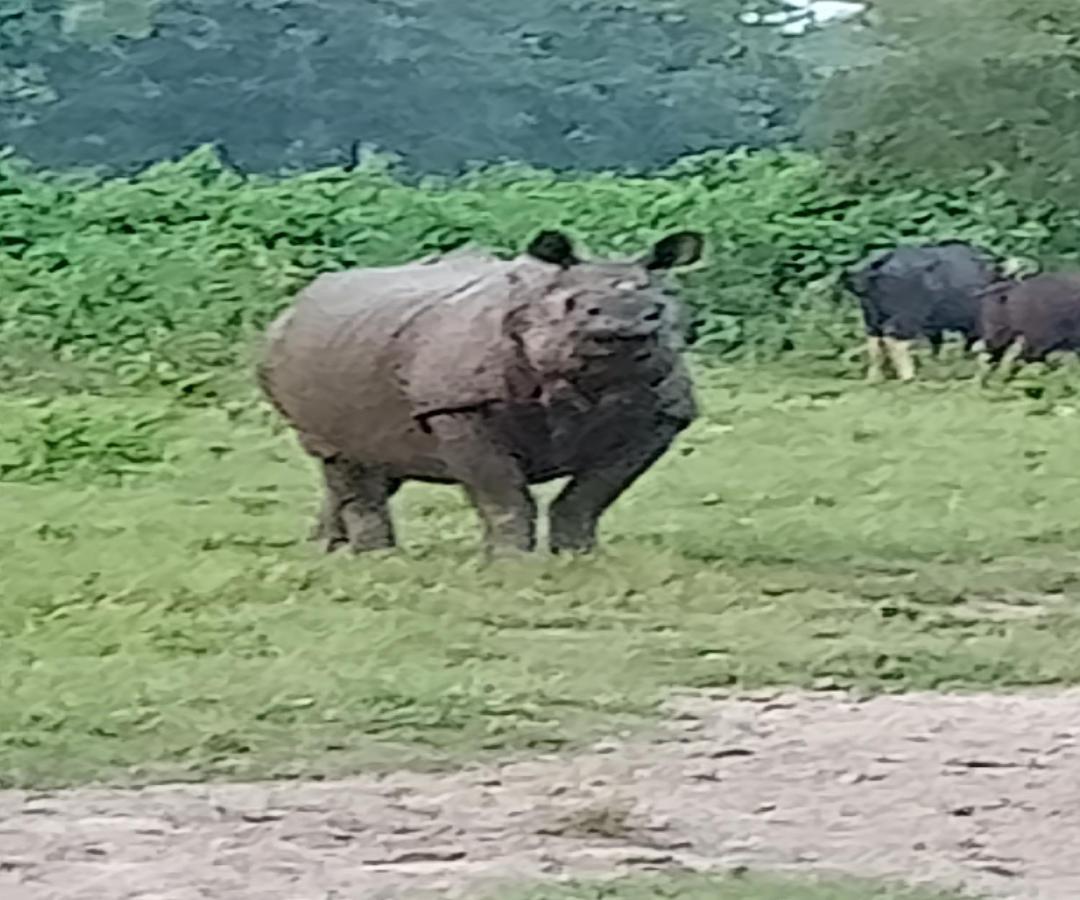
(357, 548)
(572, 548)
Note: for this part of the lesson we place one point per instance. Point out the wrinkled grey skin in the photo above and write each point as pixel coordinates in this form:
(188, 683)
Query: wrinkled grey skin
(488, 373)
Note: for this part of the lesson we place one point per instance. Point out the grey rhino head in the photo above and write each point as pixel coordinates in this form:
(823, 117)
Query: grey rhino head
(601, 314)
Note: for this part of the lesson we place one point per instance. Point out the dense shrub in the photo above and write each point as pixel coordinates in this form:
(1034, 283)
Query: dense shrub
(181, 262)
(573, 84)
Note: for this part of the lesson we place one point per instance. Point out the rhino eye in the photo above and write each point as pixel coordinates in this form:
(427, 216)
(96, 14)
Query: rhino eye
(594, 310)
(570, 305)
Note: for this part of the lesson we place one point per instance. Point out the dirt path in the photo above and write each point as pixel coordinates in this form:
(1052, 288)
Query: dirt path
(980, 792)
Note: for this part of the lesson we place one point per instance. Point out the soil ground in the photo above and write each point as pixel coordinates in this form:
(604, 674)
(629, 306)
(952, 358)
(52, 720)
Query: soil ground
(979, 792)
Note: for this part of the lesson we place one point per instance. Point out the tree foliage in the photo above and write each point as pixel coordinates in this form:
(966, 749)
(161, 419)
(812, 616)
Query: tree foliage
(297, 83)
(965, 86)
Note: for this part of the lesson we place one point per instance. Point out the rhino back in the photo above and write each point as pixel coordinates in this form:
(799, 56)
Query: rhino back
(362, 353)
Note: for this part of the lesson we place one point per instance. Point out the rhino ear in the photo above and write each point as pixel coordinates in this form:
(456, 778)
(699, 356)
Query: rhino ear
(553, 247)
(679, 249)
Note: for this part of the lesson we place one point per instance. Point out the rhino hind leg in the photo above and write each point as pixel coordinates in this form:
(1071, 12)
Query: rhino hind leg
(356, 507)
(493, 479)
(575, 513)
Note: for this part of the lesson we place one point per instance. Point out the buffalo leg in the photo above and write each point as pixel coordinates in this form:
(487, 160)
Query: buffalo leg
(986, 362)
(493, 480)
(575, 513)
(989, 359)
(999, 358)
(875, 351)
(899, 352)
(356, 507)
(1016, 352)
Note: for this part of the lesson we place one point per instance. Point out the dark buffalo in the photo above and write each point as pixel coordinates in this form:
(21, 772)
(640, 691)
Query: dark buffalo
(919, 291)
(1030, 318)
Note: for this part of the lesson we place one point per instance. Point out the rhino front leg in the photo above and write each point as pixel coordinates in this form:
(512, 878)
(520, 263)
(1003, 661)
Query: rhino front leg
(356, 507)
(329, 525)
(492, 478)
(575, 513)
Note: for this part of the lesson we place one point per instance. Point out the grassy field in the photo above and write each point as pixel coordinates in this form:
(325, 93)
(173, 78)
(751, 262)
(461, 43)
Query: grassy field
(695, 887)
(162, 615)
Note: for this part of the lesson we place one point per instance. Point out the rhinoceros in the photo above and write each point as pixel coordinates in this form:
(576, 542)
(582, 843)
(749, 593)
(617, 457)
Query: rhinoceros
(494, 374)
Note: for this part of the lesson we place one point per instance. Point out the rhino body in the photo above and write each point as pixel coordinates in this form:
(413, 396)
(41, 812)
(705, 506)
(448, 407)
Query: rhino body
(490, 373)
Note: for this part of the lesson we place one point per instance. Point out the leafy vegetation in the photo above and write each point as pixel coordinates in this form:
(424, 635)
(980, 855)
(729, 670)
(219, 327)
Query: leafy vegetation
(1006, 103)
(570, 84)
(297, 83)
(44, 442)
(166, 274)
(806, 532)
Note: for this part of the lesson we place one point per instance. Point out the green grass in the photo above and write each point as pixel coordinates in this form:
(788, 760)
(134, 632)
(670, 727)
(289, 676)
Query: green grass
(702, 887)
(162, 616)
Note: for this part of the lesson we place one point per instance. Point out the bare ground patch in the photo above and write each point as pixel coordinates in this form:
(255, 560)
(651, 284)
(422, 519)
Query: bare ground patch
(972, 791)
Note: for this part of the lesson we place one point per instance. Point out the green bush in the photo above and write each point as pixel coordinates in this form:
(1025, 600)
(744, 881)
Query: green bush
(177, 266)
(56, 441)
